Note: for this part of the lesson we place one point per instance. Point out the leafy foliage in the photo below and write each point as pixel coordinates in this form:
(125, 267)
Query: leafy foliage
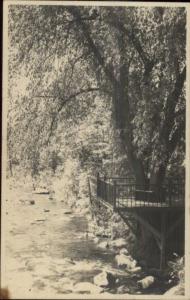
(131, 59)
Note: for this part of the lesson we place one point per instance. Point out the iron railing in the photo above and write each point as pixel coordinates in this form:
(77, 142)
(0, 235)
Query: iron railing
(121, 192)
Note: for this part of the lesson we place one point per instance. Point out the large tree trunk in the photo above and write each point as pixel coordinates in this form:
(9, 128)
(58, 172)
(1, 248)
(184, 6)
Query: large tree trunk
(157, 177)
(121, 113)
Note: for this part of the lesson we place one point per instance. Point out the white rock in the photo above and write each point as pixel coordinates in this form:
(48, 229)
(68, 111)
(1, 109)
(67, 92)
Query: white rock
(96, 240)
(181, 275)
(124, 251)
(136, 270)
(133, 264)
(88, 287)
(146, 282)
(122, 289)
(118, 243)
(104, 279)
(103, 245)
(127, 261)
(83, 266)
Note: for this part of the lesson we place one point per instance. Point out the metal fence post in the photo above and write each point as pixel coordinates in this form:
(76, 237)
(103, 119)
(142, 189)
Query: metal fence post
(114, 196)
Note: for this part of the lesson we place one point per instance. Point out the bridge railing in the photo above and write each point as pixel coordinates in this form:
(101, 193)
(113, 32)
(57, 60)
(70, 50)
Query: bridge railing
(124, 192)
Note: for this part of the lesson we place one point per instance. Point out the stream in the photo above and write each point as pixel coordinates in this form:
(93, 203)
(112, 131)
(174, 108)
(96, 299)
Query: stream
(49, 250)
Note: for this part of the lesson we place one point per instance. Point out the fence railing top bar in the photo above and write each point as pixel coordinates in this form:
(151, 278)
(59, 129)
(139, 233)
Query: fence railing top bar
(104, 176)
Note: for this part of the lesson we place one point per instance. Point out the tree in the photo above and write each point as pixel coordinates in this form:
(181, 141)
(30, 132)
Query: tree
(133, 57)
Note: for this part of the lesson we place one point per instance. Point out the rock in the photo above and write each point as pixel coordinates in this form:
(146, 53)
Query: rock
(136, 270)
(42, 191)
(46, 210)
(104, 245)
(96, 240)
(83, 266)
(181, 275)
(146, 282)
(104, 279)
(122, 289)
(99, 232)
(87, 287)
(124, 251)
(32, 202)
(67, 212)
(125, 261)
(175, 291)
(118, 243)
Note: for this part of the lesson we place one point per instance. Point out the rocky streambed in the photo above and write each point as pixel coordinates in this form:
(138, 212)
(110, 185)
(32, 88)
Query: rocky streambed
(49, 251)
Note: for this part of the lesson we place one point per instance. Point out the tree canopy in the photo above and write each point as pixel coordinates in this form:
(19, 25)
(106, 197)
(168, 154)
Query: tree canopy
(132, 59)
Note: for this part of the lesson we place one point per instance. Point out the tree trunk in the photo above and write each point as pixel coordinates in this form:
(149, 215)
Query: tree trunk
(157, 177)
(122, 123)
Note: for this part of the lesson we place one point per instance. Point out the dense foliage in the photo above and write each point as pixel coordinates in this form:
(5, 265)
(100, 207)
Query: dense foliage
(96, 84)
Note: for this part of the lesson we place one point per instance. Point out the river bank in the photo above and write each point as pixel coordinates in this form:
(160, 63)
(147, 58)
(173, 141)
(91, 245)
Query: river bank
(49, 250)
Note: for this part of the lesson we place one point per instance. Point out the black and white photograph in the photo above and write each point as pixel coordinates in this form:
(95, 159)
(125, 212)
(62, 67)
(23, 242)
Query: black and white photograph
(95, 200)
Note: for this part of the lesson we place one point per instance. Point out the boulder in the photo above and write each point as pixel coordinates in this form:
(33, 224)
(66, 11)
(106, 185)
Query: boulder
(136, 270)
(96, 240)
(103, 245)
(104, 279)
(32, 202)
(122, 289)
(87, 287)
(124, 251)
(146, 282)
(125, 261)
(118, 243)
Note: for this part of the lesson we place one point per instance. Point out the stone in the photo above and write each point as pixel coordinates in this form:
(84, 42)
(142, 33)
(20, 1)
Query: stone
(32, 202)
(96, 240)
(104, 279)
(67, 212)
(181, 275)
(83, 266)
(118, 243)
(125, 261)
(41, 191)
(124, 251)
(136, 270)
(146, 282)
(103, 245)
(87, 287)
(122, 289)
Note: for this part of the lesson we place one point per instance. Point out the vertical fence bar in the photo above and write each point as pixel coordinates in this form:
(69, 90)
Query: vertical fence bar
(114, 195)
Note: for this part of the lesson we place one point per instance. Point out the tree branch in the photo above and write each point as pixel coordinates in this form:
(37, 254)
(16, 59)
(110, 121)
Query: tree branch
(148, 63)
(75, 12)
(171, 104)
(82, 91)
